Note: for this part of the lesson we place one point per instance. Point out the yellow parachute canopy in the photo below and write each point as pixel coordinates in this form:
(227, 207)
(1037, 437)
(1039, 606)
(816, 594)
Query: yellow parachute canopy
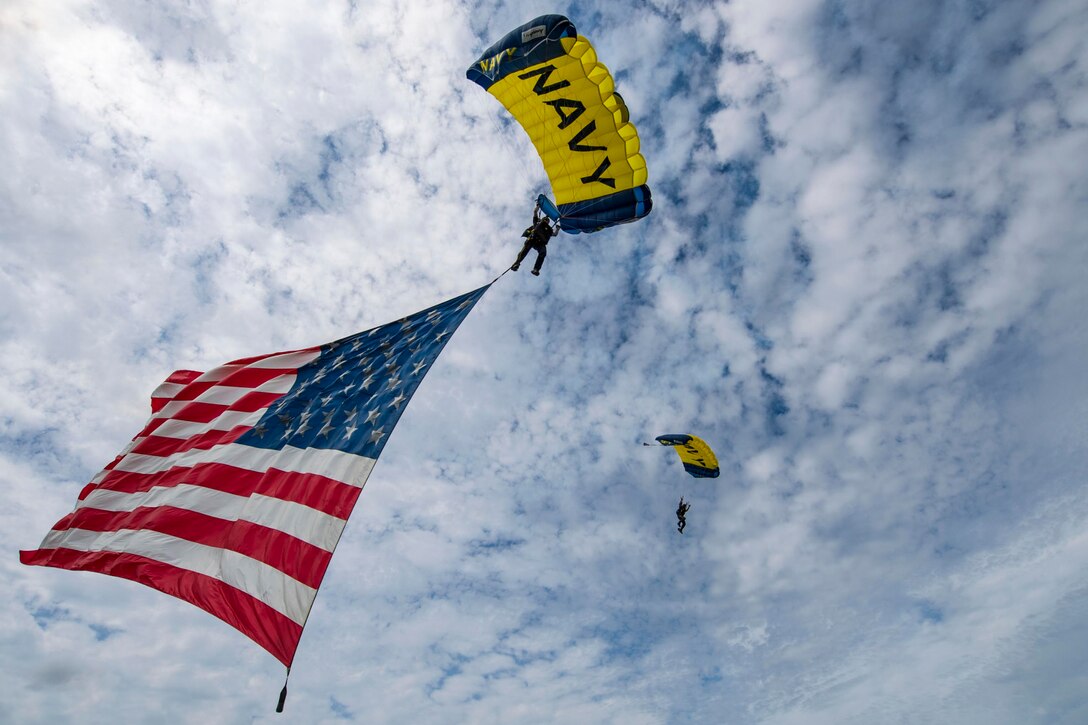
(549, 78)
(695, 454)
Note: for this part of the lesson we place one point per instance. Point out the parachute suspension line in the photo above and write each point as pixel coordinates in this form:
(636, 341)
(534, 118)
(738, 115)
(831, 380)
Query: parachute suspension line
(499, 132)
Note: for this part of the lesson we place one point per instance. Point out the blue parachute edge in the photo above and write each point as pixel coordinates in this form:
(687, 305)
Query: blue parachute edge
(700, 472)
(595, 214)
(534, 42)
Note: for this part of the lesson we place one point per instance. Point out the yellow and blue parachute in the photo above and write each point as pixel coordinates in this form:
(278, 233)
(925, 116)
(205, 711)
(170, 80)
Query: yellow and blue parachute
(694, 453)
(548, 77)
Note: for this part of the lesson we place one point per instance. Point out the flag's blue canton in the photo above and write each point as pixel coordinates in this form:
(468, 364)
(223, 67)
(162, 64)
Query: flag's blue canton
(353, 394)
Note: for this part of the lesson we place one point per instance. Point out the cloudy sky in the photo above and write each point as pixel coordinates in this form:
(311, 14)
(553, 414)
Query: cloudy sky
(862, 283)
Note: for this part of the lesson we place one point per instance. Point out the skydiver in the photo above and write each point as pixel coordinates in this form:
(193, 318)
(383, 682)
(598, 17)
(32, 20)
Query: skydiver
(536, 237)
(681, 512)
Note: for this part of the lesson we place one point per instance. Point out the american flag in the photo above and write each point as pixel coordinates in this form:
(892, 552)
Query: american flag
(234, 495)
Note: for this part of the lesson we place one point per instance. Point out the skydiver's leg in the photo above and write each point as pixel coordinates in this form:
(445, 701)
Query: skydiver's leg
(541, 253)
(521, 255)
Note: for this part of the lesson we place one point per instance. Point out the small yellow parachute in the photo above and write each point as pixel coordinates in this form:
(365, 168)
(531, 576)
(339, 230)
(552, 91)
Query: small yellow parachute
(694, 453)
(549, 78)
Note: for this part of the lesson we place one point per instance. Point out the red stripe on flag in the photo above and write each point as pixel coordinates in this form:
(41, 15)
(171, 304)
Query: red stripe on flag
(199, 412)
(295, 558)
(309, 489)
(192, 391)
(257, 358)
(252, 617)
(178, 377)
(151, 426)
(254, 401)
(318, 492)
(254, 377)
(154, 445)
(183, 376)
(241, 378)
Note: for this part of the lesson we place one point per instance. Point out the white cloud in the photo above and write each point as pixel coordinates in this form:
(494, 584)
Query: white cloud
(736, 133)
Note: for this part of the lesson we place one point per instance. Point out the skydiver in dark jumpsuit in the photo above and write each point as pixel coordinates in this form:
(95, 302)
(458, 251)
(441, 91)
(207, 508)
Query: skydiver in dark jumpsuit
(536, 237)
(681, 512)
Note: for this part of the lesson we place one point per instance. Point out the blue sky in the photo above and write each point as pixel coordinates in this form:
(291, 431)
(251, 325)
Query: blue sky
(862, 283)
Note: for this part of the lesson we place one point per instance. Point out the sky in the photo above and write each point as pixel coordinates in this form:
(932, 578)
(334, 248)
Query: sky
(862, 283)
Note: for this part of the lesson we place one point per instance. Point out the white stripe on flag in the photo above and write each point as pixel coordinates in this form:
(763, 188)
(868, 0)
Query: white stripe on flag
(228, 420)
(216, 374)
(168, 390)
(287, 360)
(229, 394)
(286, 595)
(294, 519)
(226, 395)
(183, 496)
(348, 468)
